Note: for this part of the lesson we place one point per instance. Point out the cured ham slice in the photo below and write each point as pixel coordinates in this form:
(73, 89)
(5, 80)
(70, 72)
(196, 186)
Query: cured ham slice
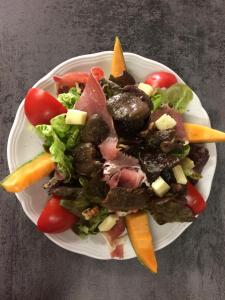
(180, 131)
(123, 171)
(117, 252)
(69, 80)
(113, 238)
(130, 178)
(93, 101)
(108, 148)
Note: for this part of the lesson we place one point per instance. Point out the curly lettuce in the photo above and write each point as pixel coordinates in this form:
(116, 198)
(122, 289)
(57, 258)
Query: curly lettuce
(178, 96)
(183, 152)
(59, 138)
(85, 227)
(69, 99)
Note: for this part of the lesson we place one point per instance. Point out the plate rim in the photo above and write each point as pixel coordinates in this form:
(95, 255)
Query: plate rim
(45, 80)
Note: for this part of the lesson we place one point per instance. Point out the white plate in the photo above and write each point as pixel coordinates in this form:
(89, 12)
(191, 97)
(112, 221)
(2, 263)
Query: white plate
(23, 145)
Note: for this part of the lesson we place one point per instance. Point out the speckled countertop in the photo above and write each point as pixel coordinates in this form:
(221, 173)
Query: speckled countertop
(188, 36)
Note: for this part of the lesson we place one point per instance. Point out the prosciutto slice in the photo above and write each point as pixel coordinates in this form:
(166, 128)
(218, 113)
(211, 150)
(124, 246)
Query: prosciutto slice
(113, 238)
(123, 171)
(93, 101)
(108, 148)
(117, 252)
(130, 178)
(180, 131)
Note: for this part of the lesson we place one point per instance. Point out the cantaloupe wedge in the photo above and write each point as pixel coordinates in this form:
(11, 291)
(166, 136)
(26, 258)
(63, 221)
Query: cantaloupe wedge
(29, 173)
(118, 62)
(141, 239)
(202, 134)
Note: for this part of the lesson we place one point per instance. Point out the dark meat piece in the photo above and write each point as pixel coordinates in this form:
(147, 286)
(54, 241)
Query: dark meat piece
(155, 137)
(66, 192)
(127, 199)
(179, 189)
(136, 91)
(154, 163)
(95, 131)
(134, 150)
(172, 208)
(168, 146)
(200, 155)
(165, 140)
(86, 159)
(123, 80)
(95, 187)
(130, 111)
(110, 88)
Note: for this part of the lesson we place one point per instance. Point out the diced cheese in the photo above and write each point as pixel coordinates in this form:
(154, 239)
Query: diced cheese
(187, 163)
(179, 175)
(76, 117)
(165, 122)
(108, 223)
(148, 89)
(122, 213)
(160, 187)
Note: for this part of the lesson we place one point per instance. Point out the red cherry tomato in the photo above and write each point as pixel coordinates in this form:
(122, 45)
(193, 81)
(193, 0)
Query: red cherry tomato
(40, 107)
(161, 79)
(195, 200)
(98, 73)
(54, 218)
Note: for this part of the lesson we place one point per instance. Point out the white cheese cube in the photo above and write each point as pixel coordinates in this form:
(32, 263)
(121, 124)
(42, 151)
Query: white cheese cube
(187, 163)
(160, 187)
(108, 223)
(165, 122)
(76, 117)
(179, 175)
(148, 89)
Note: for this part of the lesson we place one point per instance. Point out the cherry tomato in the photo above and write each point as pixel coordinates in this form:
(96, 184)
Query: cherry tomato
(161, 79)
(98, 73)
(195, 200)
(40, 107)
(54, 218)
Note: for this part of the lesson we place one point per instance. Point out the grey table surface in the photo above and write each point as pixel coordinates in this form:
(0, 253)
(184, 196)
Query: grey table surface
(188, 36)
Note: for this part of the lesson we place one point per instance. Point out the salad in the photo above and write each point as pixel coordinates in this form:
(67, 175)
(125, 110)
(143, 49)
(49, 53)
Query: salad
(115, 151)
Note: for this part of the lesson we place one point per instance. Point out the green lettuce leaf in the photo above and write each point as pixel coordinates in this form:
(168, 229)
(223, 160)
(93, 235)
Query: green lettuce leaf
(75, 206)
(183, 152)
(69, 99)
(178, 96)
(69, 134)
(59, 138)
(170, 209)
(59, 126)
(157, 101)
(57, 149)
(191, 173)
(84, 227)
